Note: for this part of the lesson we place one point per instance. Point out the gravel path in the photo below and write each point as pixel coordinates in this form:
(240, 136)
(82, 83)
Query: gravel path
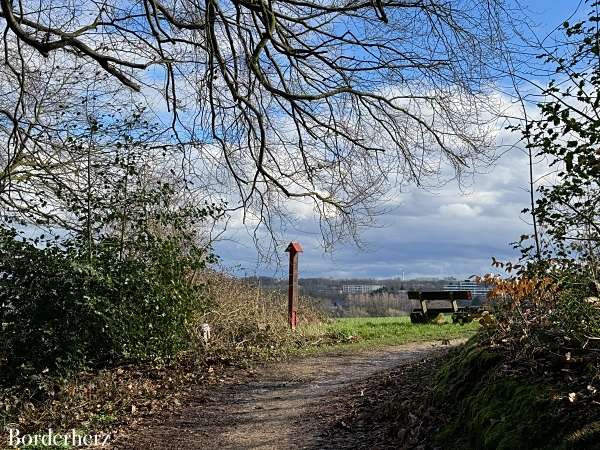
(279, 406)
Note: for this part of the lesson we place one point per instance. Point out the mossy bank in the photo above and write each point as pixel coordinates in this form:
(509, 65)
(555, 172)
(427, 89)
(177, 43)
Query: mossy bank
(489, 406)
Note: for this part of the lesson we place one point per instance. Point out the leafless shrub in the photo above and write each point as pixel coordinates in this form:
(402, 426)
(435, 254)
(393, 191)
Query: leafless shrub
(247, 320)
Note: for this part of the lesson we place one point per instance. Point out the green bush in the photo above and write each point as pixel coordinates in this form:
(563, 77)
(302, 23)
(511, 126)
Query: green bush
(576, 318)
(62, 309)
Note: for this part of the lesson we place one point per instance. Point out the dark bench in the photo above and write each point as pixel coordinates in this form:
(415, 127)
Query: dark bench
(446, 302)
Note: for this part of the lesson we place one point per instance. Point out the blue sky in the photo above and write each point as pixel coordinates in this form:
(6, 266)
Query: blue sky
(446, 232)
(549, 14)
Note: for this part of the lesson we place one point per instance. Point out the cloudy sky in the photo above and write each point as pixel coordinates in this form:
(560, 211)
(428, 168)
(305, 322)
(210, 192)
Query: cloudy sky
(446, 232)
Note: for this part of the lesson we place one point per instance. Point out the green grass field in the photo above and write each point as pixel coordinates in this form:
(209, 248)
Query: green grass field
(382, 331)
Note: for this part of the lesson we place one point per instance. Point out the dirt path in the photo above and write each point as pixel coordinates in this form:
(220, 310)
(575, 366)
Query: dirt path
(279, 406)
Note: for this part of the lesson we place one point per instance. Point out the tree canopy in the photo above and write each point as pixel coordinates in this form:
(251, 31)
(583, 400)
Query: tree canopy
(333, 102)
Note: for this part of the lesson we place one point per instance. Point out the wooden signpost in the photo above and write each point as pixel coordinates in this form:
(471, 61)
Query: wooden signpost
(293, 249)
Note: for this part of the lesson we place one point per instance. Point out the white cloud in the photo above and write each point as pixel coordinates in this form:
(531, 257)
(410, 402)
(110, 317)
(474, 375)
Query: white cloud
(458, 210)
(450, 231)
(484, 198)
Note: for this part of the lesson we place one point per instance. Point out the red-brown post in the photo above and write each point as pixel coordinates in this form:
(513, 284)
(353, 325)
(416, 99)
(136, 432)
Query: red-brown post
(294, 248)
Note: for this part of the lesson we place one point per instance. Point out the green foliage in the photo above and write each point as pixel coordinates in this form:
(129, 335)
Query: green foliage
(575, 318)
(48, 317)
(62, 311)
(567, 209)
(515, 397)
(567, 134)
(119, 278)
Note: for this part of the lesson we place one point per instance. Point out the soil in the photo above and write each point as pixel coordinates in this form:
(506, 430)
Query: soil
(333, 401)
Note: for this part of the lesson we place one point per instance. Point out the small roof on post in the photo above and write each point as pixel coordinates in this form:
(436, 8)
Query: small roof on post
(294, 247)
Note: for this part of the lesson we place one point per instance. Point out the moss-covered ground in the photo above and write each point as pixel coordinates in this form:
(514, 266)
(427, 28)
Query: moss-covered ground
(488, 409)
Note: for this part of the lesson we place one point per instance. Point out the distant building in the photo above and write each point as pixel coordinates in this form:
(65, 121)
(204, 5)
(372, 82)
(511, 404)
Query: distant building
(360, 288)
(477, 289)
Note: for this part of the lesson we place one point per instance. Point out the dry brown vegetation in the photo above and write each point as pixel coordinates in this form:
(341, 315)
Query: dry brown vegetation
(248, 321)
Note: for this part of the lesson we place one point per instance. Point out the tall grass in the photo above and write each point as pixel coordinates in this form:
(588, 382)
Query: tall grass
(246, 320)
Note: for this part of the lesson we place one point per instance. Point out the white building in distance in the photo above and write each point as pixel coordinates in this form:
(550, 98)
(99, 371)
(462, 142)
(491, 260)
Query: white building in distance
(360, 288)
(476, 289)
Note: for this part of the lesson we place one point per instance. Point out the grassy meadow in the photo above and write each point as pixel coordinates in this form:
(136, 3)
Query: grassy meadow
(358, 333)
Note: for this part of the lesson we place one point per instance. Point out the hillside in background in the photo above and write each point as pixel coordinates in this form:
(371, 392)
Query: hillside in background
(357, 296)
